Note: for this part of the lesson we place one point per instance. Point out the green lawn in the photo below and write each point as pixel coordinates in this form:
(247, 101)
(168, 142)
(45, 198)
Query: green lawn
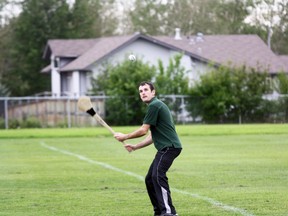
(223, 170)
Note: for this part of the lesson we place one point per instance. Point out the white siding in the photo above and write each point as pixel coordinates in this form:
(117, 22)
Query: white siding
(85, 82)
(75, 84)
(145, 51)
(151, 53)
(55, 79)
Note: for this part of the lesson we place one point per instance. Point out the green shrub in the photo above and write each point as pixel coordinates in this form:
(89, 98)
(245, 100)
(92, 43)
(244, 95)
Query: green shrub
(121, 82)
(14, 123)
(30, 123)
(230, 95)
(2, 123)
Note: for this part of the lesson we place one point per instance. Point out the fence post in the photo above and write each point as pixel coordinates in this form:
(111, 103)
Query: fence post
(6, 113)
(68, 113)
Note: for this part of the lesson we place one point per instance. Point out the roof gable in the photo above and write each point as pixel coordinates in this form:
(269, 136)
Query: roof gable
(100, 49)
(68, 47)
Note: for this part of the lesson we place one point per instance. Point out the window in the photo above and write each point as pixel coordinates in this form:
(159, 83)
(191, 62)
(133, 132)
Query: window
(56, 62)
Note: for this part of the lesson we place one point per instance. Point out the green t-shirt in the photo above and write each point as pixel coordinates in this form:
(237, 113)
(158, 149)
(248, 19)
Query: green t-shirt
(161, 123)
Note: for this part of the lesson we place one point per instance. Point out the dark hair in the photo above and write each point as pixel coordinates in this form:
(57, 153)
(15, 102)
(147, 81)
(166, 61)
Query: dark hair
(152, 87)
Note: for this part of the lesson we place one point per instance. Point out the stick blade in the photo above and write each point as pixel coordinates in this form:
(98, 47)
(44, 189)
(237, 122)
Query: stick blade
(84, 103)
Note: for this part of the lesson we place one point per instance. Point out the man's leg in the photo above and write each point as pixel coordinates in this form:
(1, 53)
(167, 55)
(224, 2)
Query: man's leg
(161, 165)
(151, 190)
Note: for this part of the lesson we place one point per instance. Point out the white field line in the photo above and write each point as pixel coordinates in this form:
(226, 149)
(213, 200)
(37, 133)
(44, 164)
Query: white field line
(141, 178)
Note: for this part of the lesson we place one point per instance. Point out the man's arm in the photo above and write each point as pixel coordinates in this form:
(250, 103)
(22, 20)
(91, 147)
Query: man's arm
(143, 130)
(146, 142)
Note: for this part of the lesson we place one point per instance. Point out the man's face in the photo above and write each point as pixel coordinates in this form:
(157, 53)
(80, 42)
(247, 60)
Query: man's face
(146, 94)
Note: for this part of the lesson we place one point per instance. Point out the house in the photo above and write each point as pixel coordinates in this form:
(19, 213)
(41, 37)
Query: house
(75, 61)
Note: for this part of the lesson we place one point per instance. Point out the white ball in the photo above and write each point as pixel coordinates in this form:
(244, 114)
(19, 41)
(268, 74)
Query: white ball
(132, 57)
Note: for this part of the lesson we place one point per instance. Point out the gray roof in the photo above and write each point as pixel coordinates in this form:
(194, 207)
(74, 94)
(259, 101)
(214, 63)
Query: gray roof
(236, 50)
(68, 47)
(84, 51)
(100, 49)
(284, 59)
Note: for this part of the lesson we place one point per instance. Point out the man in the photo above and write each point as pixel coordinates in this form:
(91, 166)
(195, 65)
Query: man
(159, 121)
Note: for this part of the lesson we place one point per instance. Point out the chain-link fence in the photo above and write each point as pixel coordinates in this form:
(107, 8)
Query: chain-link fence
(25, 112)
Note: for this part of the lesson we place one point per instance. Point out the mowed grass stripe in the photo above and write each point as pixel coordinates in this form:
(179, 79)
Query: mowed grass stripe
(183, 130)
(83, 158)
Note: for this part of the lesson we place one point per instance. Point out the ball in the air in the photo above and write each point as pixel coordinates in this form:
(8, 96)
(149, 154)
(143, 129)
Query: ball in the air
(132, 57)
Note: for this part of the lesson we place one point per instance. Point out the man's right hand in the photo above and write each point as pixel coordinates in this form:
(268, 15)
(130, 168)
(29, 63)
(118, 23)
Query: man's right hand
(130, 148)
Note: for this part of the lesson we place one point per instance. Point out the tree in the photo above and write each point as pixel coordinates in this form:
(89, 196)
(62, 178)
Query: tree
(120, 82)
(282, 88)
(172, 81)
(230, 16)
(5, 40)
(94, 18)
(230, 94)
(271, 16)
(280, 34)
(212, 96)
(111, 18)
(38, 22)
(85, 21)
(149, 16)
(6, 17)
(191, 16)
(4, 92)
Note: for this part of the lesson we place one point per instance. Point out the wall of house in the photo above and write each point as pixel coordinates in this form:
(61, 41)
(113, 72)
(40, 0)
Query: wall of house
(55, 77)
(66, 83)
(85, 82)
(147, 52)
(151, 53)
(79, 83)
(198, 68)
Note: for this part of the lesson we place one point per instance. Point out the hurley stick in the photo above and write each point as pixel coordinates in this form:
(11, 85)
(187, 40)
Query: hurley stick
(84, 104)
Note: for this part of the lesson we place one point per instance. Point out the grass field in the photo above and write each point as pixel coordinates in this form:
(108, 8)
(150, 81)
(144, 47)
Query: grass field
(223, 170)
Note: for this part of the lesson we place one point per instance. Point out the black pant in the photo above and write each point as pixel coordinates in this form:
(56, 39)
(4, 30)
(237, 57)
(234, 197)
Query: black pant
(157, 182)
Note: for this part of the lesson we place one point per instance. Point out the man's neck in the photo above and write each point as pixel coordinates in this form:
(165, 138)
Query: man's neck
(151, 100)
